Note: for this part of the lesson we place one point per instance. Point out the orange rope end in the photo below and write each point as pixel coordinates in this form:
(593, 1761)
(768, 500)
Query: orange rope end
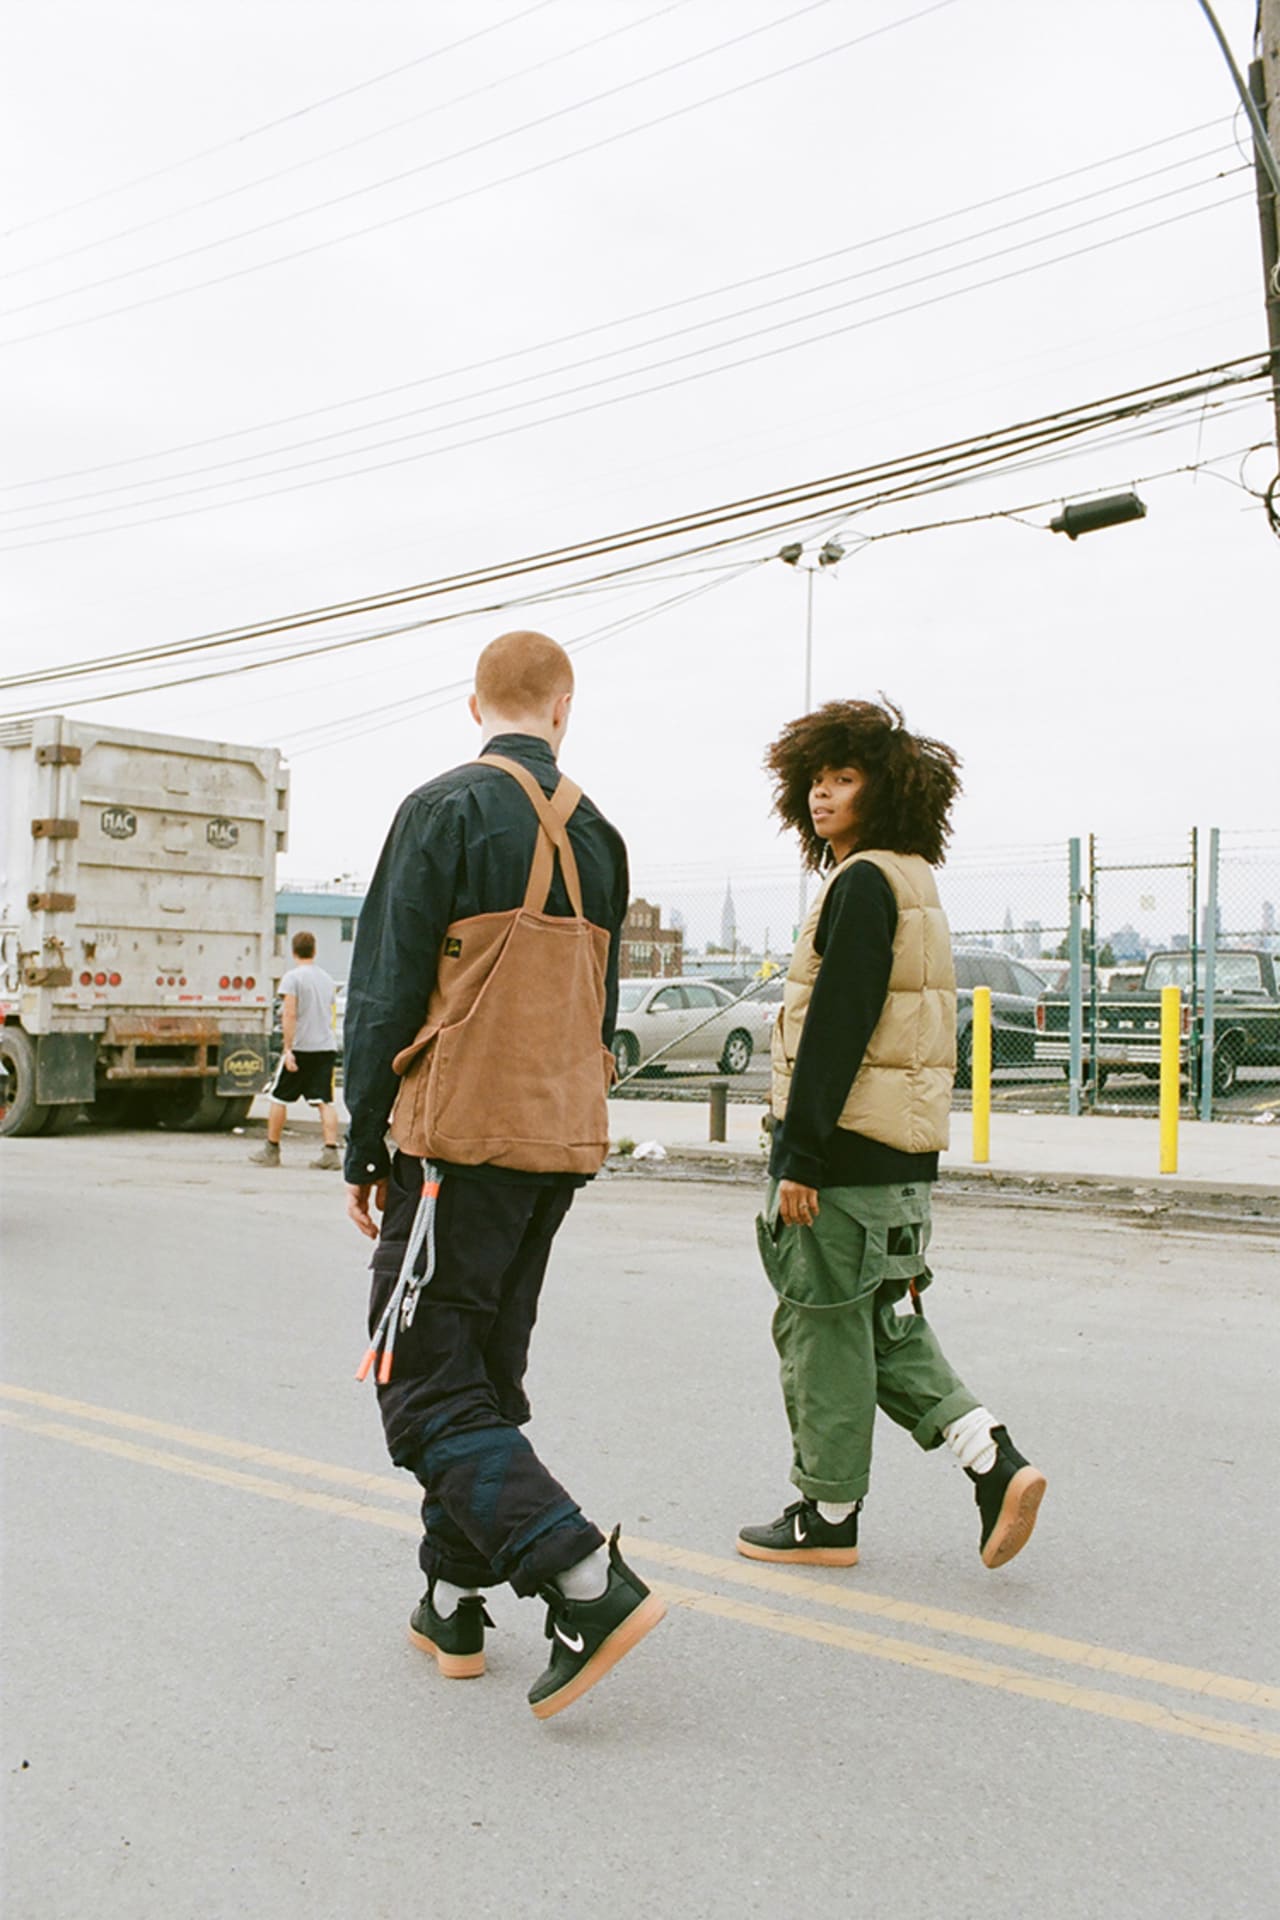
(384, 1371)
(362, 1371)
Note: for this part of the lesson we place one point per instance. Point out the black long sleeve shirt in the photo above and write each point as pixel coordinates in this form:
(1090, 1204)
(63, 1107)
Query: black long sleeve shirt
(854, 940)
(460, 845)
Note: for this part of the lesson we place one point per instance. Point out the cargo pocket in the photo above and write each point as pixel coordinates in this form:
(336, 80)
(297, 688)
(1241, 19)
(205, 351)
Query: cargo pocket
(818, 1270)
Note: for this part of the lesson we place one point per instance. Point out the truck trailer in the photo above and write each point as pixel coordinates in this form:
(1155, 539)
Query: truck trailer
(137, 924)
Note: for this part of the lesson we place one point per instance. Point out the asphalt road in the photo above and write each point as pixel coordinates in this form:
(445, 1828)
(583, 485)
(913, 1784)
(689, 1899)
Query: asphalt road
(212, 1708)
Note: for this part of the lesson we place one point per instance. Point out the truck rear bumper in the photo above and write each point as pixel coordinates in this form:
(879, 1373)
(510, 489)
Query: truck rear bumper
(1108, 1053)
(151, 1047)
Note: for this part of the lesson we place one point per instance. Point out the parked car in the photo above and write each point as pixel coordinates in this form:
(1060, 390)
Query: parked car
(1246, 1018)
(1015, 993)
(695, 1021)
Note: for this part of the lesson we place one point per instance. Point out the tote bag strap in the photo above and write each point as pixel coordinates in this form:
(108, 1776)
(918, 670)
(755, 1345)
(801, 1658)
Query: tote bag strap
(553, 837)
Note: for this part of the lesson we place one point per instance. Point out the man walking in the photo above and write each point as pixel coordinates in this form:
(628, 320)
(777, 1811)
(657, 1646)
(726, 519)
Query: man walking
(481, 1003)
(306, 1065)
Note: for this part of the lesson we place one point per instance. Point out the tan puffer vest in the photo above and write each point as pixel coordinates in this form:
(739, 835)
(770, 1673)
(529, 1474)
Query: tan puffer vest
(902, 1092)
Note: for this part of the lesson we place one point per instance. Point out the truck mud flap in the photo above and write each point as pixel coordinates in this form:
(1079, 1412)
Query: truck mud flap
(244, 1063)
(65, 1065)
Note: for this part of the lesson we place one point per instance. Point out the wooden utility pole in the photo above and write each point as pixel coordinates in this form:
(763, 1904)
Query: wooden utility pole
(1264, 85)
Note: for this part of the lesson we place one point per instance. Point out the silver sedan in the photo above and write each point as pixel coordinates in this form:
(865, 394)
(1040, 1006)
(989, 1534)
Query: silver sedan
(690, 1022)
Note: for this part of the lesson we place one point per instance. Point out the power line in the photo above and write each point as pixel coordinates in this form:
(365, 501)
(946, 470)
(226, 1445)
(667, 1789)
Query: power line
(348, 146)
(467, 193)
(1129, 402)
(670, 306)
(269, 126)
(804, 501)
(609, 353)
(410, 173)
(663, 386)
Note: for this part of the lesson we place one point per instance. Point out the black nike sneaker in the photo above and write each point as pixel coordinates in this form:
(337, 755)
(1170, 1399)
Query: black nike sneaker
(590, 1636)
(457, 1639)
(1008, 1497)
(802, 1536)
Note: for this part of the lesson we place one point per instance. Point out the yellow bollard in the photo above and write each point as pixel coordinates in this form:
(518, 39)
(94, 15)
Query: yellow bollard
(1170, 1075)
(981, 1075)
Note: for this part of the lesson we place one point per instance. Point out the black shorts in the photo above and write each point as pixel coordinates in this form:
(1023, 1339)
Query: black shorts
(312, 1080)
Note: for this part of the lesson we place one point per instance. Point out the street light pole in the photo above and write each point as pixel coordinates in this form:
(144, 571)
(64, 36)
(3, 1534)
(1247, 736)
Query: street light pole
(829, 555)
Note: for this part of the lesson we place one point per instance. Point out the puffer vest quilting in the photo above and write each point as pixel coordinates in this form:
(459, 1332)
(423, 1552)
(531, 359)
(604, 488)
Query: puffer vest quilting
(901, 1094)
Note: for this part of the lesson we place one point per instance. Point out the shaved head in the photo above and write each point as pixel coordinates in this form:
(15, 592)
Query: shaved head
(522, 674)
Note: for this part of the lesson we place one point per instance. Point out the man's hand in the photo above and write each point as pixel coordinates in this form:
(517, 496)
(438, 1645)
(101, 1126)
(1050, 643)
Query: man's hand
(797, 1205)
(290, 1060)
(358, 1207)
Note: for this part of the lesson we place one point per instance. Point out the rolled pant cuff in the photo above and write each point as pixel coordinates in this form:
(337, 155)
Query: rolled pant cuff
(459, 1573)
(840, 1491)
(566, 1541)
(927, 1433)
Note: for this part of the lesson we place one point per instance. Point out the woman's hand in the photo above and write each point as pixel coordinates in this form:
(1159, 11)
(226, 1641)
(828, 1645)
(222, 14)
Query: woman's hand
(797, 1205)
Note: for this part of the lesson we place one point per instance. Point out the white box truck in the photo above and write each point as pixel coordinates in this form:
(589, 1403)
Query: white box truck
(137, 924)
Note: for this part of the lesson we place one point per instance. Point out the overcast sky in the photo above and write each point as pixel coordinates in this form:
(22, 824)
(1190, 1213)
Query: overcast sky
(1125, 683)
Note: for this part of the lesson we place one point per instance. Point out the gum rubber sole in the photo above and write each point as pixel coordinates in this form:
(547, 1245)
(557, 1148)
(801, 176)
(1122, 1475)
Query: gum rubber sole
(800, 1556)
(454, 1666)
(626, 1635)
(1017, 1518)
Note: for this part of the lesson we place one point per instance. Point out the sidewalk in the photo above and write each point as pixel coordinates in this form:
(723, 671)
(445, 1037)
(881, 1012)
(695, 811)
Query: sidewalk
(1101, 1147)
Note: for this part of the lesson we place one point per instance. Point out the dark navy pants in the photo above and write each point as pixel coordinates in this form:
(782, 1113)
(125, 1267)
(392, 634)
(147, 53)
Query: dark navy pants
(455, 1404)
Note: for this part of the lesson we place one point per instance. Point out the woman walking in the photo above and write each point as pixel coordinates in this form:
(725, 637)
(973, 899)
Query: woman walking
(863, 1065)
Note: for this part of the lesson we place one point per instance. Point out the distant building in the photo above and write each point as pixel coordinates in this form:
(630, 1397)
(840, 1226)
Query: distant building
(1008, 939)
(1032, 939)
(330, 913)
(647, 949)
(728, 921)
(1127, 944)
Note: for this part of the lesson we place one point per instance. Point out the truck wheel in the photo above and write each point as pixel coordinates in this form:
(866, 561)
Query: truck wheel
(1226, 1066)
(193, 1106)
(235, 1111)
(60, 1119)
(20, 1112)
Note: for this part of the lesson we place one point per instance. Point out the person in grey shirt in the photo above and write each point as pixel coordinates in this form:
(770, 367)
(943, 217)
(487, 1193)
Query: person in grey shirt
(306, 1065)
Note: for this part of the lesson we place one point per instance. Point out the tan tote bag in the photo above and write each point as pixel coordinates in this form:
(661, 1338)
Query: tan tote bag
(509, 1069)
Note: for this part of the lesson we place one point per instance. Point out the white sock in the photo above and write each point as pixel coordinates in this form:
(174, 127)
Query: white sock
(588, 1579)
(969, 1438)
(445, 1597)
(834, 1511)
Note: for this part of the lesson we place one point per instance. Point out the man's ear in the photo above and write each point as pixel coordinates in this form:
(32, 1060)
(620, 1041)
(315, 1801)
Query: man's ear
(473, 707)
(560, 712)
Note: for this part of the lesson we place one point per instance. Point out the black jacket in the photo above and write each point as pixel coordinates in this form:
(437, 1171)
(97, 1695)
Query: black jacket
(854, 941)
(460, 845)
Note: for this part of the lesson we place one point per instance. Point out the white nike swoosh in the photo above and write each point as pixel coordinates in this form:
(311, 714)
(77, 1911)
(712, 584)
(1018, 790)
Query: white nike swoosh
(801, 1533)
(575, 1645)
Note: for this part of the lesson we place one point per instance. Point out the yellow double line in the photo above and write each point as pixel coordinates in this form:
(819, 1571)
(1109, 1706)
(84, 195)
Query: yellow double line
(362, 1494)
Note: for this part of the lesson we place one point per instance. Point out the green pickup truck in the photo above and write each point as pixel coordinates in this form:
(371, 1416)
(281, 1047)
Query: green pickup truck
(1246, 1019)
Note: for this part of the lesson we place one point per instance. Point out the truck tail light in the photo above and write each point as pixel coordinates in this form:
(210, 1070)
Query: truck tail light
(114, 980)
(225, 980)
(1186, 1016)
(1039, 1016)
(99, 979)
(237, 982)
(249, 981)
(86, 979)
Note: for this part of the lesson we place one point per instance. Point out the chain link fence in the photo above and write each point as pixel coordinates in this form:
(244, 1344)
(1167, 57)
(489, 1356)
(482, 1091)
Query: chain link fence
(1010, 910)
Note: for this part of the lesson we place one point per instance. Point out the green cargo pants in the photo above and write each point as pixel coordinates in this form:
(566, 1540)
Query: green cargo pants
(844, 1347)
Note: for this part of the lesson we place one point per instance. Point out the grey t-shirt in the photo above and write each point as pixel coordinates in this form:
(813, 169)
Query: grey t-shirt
(313, 990)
